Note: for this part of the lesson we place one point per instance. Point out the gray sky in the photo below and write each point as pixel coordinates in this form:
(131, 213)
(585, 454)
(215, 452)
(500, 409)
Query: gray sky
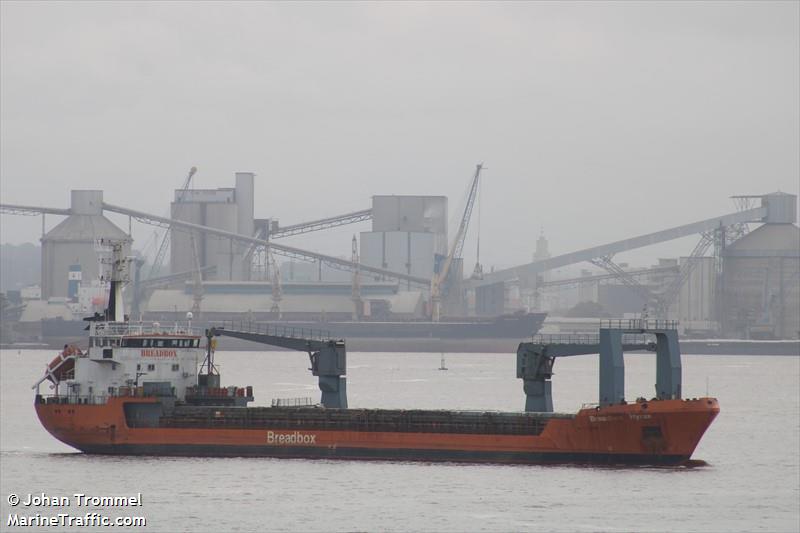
(597, 121)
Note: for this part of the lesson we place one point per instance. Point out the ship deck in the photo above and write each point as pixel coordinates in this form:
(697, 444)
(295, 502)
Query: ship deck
(380, 420)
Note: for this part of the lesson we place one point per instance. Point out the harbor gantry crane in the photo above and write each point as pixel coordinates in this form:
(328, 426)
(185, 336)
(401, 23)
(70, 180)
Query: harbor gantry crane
(440, 274)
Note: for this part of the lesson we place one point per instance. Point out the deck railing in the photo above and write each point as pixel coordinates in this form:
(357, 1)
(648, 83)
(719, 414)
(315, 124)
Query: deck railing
(293, 402)
(119, 329)
(72, 399)
(638, 323)
(590, 338)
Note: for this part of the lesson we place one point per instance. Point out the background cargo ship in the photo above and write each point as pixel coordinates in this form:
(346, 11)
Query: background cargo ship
(469, 334)
(465, 334)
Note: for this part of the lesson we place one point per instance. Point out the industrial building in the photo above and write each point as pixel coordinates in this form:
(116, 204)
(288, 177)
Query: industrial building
(696, 305)
(407, 235)
(760, 296)
(749, 287)
(408, 232)
(228, 209)
(737, 282)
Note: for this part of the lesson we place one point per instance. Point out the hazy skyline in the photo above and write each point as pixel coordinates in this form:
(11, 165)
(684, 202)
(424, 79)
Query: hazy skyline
(596, 121)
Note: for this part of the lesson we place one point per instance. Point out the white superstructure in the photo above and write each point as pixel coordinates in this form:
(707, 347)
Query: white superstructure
(125, 358)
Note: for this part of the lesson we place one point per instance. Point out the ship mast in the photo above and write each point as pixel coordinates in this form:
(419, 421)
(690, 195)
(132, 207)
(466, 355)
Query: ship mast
(118, 277)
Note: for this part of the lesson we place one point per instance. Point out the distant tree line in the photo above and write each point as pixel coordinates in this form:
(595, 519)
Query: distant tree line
(20, 265)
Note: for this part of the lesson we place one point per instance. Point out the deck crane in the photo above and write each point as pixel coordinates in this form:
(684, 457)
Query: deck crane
(456, 248)
(162, 250)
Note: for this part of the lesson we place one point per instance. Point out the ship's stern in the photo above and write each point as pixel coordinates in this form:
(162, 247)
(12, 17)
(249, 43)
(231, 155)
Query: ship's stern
(84, 426)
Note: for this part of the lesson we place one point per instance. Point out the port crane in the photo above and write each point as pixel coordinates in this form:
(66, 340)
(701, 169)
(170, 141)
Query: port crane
(660, 301)
(197, 279)
(440, 274)
(158, 262)
(277, 288)
(358, 304)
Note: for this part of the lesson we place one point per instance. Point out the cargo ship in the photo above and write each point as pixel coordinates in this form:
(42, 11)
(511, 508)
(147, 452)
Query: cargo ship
(138, 389)
(134, 392)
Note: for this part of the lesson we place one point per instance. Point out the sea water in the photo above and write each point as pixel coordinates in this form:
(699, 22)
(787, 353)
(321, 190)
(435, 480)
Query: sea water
(751, 481)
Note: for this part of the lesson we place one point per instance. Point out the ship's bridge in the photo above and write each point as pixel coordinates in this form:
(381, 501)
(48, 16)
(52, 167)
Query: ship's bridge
(124, 357)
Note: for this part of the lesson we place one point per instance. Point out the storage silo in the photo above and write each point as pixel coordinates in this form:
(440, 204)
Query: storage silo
(228, 209)
(69, 250)
(407, 234)
(760, 288)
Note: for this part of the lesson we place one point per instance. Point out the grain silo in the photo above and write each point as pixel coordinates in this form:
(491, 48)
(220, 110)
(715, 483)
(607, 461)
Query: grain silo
(760, 292)
(69, 250)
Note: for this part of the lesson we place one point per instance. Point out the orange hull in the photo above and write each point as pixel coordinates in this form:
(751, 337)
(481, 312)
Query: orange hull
(655, 432)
